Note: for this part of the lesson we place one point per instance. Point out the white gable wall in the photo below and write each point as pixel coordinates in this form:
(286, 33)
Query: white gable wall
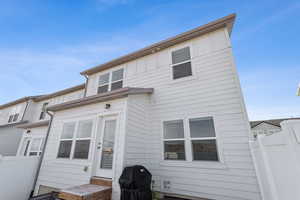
(213, 90)
(18, 108)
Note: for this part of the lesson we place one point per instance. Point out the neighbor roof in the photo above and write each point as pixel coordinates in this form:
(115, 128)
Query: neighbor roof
(61, 92)
(119, 93)
(212, 26)
(21, 100)
(43, 97)
(275, 122)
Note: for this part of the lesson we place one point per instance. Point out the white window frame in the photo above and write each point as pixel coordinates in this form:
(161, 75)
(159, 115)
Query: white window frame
(190, 60)
(16, 110)
(74, 139)
(175, 139)
(110, 82)
(43, 110)
(189, 162)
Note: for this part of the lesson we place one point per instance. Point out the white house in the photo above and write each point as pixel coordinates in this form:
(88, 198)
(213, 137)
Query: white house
(29, 113)
(175, 107)
(267, 127)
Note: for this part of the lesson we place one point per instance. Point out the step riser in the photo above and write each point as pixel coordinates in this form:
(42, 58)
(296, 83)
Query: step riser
(99, 181)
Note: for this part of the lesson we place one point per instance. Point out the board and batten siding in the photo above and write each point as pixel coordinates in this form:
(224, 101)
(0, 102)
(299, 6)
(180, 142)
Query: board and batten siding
(63, 173)
(213, 90)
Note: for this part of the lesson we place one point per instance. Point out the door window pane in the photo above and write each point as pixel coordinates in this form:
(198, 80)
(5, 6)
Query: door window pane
(104, 79)
(173, 129)
(182, 70)
(205, 150)
(64, 149)
(117, 75)
(108, 144)
(35, 144)
(202, 127)
(68, 131)
(116, 85)
(85, 129)
(174, 150)
(82, 149)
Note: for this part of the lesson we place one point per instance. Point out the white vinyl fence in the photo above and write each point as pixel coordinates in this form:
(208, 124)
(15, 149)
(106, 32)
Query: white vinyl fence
(277, 160)
(16, 177)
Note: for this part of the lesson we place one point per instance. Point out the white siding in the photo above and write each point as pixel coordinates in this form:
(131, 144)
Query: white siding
(4, 114)
(62, 173)
(37, 106)
(213, 90)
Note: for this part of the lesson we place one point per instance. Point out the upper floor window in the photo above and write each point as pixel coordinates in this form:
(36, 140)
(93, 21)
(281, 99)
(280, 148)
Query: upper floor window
(181, 63)
(32, 146)
(110, 81)
(43, 112)
(75, 140)
(197, 141)
(14, 114)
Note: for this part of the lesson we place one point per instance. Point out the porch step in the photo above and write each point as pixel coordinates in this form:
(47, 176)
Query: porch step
(86, 192)
(101, 181)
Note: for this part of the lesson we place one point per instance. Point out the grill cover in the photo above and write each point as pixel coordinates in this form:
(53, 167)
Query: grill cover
(135, 183)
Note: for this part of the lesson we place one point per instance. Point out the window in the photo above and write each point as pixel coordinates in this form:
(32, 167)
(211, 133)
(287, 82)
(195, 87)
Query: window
(203, 139)
(14, 114)
(110, 81)
(181, 63)
(199, 136)
(77, 145)
(174, 140)
(43, 112)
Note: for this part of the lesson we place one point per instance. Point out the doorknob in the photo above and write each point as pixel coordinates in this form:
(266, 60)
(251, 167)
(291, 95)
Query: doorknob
(99, 145)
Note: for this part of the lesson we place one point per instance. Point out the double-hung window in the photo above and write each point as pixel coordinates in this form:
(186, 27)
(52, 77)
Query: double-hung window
(174, 140)
(199, 136)
(14, 114)
(181, 63)
(75, 140)
(110, 81)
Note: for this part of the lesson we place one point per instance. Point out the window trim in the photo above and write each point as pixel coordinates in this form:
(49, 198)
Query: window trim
(43, 112)
(188, 145)
(30, 138)
(190, 60)
(110, 82)
(74, 139)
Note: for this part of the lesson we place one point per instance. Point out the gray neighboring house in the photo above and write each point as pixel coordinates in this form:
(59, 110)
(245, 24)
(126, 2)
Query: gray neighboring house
(13, 114)
(16, 116)
(267, 127)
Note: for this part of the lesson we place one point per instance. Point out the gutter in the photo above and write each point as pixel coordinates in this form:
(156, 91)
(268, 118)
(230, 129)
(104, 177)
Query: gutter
(42, 156)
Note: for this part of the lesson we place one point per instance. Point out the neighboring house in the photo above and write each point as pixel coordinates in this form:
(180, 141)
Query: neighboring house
(298, 90)
(29, 113)
(175, 107)
(267, 127)
(13, 114)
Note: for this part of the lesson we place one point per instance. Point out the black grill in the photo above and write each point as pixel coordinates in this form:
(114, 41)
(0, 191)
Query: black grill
(135, 183)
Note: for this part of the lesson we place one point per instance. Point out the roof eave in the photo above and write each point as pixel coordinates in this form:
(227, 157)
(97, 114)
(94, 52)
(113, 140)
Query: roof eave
(227, 22)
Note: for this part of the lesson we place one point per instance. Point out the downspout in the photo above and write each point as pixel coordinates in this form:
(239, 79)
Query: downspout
(42, 156)
(86, 84)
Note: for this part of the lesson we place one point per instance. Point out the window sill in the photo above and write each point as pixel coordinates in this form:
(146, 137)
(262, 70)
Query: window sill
(194, 164)
(183, 79)
(73, 161)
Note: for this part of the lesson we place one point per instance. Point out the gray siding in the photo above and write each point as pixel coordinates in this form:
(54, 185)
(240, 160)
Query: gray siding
(9, 140)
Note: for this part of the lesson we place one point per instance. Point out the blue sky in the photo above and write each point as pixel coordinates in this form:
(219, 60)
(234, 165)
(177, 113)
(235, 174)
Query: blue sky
(45, 44)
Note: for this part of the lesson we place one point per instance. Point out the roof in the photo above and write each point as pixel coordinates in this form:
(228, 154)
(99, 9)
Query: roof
(21, 100)
(212, 26)
(43, 97)
(122, 92)
(274, 122)
(60, 92)
(34, 124)
(13, 124)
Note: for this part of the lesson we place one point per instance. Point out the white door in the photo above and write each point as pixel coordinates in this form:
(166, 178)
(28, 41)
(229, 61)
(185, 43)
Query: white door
(105, 147)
